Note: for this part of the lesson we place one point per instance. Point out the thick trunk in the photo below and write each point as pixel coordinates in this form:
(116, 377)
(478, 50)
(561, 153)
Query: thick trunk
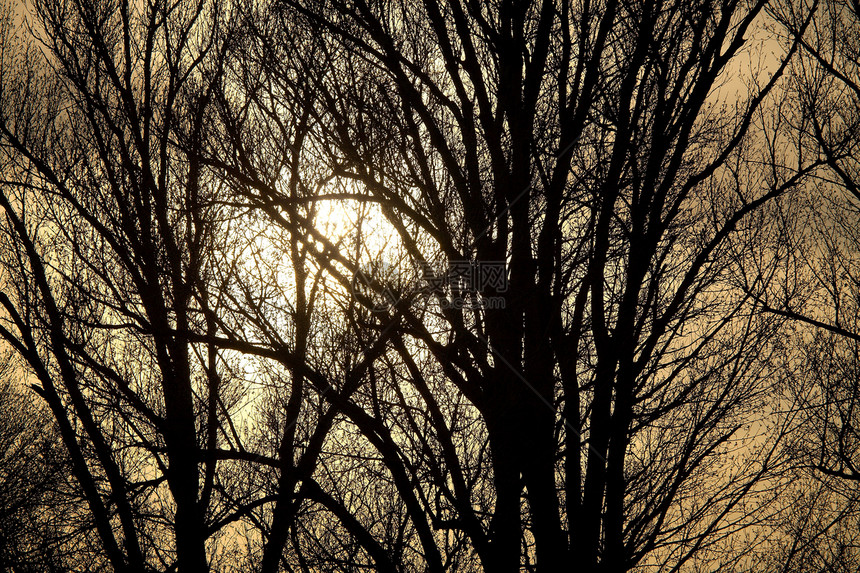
(588, 538)
(538, 443)
(615, 558)
(183, 454)
(539, 478)
(183, 478)
(505, 528)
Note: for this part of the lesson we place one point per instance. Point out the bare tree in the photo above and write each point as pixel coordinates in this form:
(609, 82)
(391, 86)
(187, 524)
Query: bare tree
(824, 294)
(108, 244)
(137, 291)
(31, 479)
(405, 286)
(599, 415)
(817, 284)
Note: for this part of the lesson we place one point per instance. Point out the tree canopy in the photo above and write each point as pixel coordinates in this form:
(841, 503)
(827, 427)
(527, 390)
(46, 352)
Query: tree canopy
(432, 286)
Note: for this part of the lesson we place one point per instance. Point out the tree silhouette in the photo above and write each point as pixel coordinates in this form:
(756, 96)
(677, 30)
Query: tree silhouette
(584, 147)
(31, 481)
(414, 286)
